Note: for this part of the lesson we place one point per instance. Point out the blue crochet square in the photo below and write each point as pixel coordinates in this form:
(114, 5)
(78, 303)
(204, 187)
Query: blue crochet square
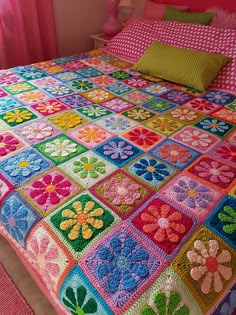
(89, 72)
(118, 151)
(75, 101)
(174, 153)
(58, 90)
(119, 88)
(159, 105)
(152, 171)
(23, 166)
(8, 103)
(215, 126)
(219, 97)
(18, 217)
(222, 220)
(79, 296)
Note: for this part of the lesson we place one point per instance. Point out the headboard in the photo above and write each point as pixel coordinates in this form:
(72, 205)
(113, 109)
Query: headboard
(202, 5)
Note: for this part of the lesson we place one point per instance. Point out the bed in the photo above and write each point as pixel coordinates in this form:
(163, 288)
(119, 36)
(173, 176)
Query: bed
(117, 188)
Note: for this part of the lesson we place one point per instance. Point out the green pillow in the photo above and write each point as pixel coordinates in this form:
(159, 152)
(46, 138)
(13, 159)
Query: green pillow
(172, 14)
(192, 68)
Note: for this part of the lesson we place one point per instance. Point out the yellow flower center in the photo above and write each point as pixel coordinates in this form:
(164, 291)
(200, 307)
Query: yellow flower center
(88, 166)
(50, 188)
(91, 133)
(61, 148)
(2, 144)
(23, 164)
(192, 193)
(82, 218)
(151, 169)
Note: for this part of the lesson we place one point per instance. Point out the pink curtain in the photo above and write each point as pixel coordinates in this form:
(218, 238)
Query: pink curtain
(27, 32)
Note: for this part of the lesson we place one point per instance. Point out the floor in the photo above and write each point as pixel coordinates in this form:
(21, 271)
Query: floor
(23, 280)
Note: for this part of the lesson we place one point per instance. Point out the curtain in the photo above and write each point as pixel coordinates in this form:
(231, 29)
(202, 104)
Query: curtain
(27, 32)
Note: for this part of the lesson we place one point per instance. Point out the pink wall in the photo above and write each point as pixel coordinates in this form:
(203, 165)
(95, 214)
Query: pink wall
(76, 20)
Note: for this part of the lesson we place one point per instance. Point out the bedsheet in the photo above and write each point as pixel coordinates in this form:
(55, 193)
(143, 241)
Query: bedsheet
(118, 188)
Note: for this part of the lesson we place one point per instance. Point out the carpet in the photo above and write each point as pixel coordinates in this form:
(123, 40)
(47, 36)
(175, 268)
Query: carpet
(11, 301)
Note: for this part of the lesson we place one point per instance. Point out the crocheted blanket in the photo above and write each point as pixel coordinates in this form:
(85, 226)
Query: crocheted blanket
(120, 187)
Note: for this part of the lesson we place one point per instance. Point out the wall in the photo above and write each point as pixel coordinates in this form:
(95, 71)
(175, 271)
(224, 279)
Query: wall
(76, 20)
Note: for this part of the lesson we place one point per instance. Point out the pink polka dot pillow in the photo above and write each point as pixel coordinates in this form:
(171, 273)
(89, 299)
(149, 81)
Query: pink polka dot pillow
(134, 39)
(223, 19)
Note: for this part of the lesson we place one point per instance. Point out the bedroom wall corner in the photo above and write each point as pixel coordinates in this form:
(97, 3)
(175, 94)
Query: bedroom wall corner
(75, 21)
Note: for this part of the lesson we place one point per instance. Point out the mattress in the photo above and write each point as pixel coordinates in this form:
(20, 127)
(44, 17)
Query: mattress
(117, 189)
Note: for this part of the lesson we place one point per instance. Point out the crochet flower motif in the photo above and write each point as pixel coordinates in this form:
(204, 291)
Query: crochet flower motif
(227, 114)
(33, 96)
(37, 130)
(44, 256)
(214, 125)
(78, 303)
(80, 219)
(58, 90)
(183, 114)
(17, 116)
(138, 113)
(118, 150)
(14, 218)
(229, 217)
(178, 96)
(49, 107)
(67, 121)
(196, 138)
(60, 147)
(164, 303)
(91, 134)
(82, 85)
(7, 144)
(218, 97)
(202, 105)
(122, 264)
(98, 95)
(156, 89)
(121, 191)
(192, 193)
(142, 136)
(89, 167)
(227, 152)
(163, 224)
(117, 123)
(229, 308)
(117, 104)
(50, 188)
(210, 266)
(137, 97)
(94, 110)
(151, 169)
(174, 153)
(214, 171)
(23, 165)
(8, 103)
(164, 124)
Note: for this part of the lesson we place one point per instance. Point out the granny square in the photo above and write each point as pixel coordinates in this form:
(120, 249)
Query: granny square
(138, 114)
(151, 170)
(215, 126)
(9, 144)
(225, 151)
(103, 80)
(118, 151)
(49, 107)
(218, 174)
(48, 191)
(137, 97)
(185, 115)
(73, 65)
(193, 196)
(75, 101)
(195, 138)
(32, 97)
(218, 97)
(54, 69)
(89, 72)
(31, 74)
(18, 217)
(158, 105)
(177, 97)
(18, 88)
(231, 138)
(94, 112)
(5, 188)
(67, 76)
(228, 304)
(90, 135)
(117, 105)
(81, 222)
(45, 81)
(167, 293)
(60, 148)
(164, 225)
(121, 266)
(206, 265)
(136, 82)
(82, 85)
(226, 114)
(118, 88)
(164, 125)
(58, 90)
(121, 193)
(232, 105)
(3, 93)
(156, 89)
(17, 116)
(120, 75)
(8, 103)
(174, 153)
(98, 95)
(142, 137)
(9, 79)
(48, 256)
(88, 168)
(116, 124)
(202, 106)
(78, 295)
(222, 220)
(67, 120)
(24, 165)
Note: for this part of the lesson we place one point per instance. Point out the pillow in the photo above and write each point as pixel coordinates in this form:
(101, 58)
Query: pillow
(134, 39)
(156, 11)
(172, 14)
(223, 19)
(206, 38)
(188, 67)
